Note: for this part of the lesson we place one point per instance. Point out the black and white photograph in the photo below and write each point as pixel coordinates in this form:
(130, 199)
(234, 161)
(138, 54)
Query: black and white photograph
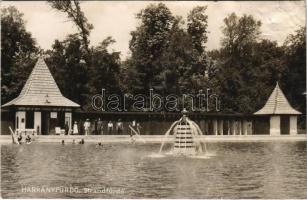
(153, 100)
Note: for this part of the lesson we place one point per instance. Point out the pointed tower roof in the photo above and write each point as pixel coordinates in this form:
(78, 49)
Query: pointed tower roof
(277, 104)
(41, 90)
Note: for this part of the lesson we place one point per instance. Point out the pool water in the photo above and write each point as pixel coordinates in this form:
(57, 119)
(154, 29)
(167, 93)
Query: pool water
(233, 170)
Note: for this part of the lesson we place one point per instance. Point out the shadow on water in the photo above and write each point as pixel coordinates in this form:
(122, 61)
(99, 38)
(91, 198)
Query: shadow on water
(233, 170)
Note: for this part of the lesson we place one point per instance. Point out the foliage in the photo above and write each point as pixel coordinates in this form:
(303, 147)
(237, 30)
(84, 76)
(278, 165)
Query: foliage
(18, 53)
(82, 70)
(167, 54)
(74, 12)
(295, 76)
(197, 28)
(148, 43)
(66, 63)
(75, 80)
(106, 68)
(248, 66)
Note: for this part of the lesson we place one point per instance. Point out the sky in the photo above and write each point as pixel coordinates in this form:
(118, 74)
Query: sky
(117, 19)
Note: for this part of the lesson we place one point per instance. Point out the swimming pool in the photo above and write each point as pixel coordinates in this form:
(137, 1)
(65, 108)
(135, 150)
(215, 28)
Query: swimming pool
(122, 170)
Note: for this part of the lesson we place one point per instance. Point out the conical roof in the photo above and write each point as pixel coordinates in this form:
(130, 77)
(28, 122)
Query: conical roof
(41, 90)
(277, 104)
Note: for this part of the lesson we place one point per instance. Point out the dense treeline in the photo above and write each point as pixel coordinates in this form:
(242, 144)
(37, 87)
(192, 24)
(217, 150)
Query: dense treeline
(18, 53)
(168, 54)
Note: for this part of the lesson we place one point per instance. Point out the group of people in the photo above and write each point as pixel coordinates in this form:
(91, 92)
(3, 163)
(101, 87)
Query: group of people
(97, 127)
(24, 138)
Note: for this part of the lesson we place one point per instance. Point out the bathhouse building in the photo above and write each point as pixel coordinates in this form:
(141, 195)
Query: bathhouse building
(282, 117)
(40, 106)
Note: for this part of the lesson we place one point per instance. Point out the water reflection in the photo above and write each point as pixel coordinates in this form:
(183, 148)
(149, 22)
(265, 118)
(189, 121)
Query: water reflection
(238, 170)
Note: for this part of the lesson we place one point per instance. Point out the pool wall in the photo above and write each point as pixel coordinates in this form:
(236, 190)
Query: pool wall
(5, 139)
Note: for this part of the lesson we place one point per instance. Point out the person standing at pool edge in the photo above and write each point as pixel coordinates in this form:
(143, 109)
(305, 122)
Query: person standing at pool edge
(75, 128)
(110, 127)
(87, 125)
(119, 127)
(133, 124)
(66, 127)
(99, 127)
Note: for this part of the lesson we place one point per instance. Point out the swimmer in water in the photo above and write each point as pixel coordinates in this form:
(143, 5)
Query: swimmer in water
(28, 139)
(82, 141)
(19, 139)
(98, 145)
(63, 142)
(73, 141)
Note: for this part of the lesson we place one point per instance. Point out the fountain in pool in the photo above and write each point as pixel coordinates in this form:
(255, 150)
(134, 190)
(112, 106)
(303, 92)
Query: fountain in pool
(186, 138)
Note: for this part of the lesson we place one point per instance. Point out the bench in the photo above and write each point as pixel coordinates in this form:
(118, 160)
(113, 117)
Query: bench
(59, 131)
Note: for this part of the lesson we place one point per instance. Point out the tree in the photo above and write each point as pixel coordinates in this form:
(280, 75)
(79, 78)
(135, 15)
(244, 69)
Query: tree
(74, 12)
(66, 63)
(197, 28)
(268, 68)
(176, 59)
(106, 68)
(248, 66)
(166, 55)
(197, 31)
(129, 80)
(148, 42)
(83, 70)
(18, 53)
(241, 35)
(295, 77)
(184, 67)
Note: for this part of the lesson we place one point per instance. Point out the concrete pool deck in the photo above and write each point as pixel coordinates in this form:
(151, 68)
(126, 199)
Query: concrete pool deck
(4, 139)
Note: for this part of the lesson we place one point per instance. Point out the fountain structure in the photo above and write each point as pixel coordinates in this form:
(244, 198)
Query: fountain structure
(185, 137)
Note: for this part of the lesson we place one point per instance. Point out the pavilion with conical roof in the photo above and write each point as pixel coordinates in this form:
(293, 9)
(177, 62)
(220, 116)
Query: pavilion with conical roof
(283, 117)
(40, 104)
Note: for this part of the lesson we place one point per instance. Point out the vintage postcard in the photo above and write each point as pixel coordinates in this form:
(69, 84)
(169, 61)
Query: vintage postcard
(153, 100)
